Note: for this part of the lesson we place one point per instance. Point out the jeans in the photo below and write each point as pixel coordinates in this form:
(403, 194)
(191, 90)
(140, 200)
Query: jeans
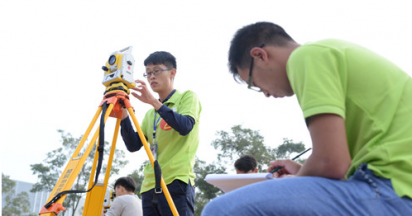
(362, 194)
(183, 196)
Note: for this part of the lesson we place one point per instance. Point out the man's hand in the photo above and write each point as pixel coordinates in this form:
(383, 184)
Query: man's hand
(125, 113)
(289, 168)
(145, 95)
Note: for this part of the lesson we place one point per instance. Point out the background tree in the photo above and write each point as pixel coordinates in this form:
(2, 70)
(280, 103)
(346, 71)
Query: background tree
(137, 176)
(288, 147)
(52, 167)
(247, 141)
(14, 204)
(205, 191)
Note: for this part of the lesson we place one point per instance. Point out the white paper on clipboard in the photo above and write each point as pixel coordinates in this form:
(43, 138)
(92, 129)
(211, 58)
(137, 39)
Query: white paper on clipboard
(229, 182)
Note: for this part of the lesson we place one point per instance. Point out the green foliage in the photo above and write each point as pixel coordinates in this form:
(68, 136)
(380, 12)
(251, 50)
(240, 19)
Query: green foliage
(137, 176)
(7, 185)
(284, 150)
(205, 191)
(246, 141)
(51, 169)
(14, 204)
(241, 141)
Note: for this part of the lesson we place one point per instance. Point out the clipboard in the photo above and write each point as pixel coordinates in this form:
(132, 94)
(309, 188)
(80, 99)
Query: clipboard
(229, 182)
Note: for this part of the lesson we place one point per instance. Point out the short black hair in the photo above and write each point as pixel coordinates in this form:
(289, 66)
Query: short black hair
(246, 163)
(127, 182)
(161, 57)
(251, 36)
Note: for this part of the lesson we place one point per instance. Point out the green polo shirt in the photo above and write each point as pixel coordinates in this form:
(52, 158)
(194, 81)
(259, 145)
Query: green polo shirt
(374, 97)
(175, 153)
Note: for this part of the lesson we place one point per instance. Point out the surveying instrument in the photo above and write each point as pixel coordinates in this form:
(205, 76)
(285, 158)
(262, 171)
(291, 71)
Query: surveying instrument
(118, 79)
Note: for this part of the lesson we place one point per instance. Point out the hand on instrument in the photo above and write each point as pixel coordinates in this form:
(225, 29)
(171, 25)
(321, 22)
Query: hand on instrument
(145, 95)
(125, 113)
(289, 168)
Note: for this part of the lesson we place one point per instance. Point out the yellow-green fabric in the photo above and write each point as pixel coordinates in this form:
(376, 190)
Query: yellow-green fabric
(374, 97)
(175, 153)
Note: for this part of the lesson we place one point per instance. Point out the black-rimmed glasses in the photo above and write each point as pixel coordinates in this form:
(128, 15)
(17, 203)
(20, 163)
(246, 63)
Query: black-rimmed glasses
(155, 72)
(249, 80)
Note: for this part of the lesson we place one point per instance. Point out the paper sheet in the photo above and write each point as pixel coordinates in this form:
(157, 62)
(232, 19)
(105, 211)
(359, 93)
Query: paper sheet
(229, 182)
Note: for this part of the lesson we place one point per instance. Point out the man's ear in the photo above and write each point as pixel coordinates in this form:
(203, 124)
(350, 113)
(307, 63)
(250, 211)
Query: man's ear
(259, 53)
(173, 73)
(122, 189)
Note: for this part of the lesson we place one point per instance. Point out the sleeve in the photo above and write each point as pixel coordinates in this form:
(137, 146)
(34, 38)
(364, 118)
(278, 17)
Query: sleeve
(190, 105)
(318, 78)
(116, 208)
(130, 137)
(183, 124)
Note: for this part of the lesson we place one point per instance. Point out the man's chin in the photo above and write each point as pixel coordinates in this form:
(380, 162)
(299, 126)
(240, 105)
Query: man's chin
(154, 88)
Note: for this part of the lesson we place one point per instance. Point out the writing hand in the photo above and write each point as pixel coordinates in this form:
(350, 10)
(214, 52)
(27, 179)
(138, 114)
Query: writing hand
(289, 167)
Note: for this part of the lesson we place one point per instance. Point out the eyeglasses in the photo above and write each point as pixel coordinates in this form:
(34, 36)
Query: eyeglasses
(155, 72)
(249, 81)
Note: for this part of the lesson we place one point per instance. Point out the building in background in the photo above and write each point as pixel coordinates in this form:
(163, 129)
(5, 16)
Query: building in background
(37, 199)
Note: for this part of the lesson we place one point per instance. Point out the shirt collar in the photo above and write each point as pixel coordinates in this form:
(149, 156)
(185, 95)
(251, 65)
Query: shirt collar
(169, 96)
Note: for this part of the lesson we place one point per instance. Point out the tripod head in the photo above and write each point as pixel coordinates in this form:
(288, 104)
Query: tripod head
(118, 71)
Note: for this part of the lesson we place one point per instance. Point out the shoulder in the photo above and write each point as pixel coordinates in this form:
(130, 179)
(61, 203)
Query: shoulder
(315, 55)
(327, 46)
(184, 96)
(322, 46)
(189, 93)
(126, 199)
(119, 199)
(184, 93)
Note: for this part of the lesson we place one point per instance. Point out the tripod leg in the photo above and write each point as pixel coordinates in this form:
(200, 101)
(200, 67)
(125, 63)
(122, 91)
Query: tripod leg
(95, 198)
(73, 168)
(89, 129)
(70, 173)
(151, 158)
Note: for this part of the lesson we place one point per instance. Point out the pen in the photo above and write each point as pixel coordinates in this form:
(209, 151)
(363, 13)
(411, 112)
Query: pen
(296, 157)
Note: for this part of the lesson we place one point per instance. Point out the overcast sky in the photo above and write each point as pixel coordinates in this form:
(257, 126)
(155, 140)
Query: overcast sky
(52, 52)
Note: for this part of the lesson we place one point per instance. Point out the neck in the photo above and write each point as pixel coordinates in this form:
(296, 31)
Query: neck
(281, 54)
(163, 95)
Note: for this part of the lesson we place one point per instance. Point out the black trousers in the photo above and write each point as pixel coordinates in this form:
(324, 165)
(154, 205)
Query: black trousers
(183, 196)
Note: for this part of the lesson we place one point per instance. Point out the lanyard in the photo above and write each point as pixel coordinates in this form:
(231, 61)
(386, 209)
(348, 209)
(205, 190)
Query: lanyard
(154, 120)
(154, 126)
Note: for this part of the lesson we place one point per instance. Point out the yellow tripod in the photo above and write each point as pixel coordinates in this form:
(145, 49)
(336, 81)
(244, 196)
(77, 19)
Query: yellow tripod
(113, 101)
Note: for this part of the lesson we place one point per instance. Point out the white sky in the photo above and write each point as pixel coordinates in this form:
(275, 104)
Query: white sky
(52, 52)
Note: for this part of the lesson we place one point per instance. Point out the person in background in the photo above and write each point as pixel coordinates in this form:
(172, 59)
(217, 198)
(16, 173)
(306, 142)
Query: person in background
(246, 164)
(126, 202)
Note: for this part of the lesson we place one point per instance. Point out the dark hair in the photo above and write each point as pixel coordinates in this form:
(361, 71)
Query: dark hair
(127, 182)
(251, 36)
(161, 57)
(246, 163)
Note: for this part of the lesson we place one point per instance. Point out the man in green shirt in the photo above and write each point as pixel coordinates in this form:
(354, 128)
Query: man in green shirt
(358, 110)
(172, 130)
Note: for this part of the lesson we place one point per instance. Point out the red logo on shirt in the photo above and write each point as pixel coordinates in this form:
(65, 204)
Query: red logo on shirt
(164, 125)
